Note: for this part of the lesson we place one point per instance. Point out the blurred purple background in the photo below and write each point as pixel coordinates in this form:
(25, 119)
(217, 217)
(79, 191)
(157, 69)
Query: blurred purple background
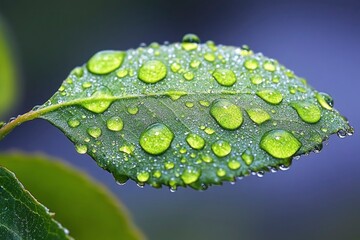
(318, 198)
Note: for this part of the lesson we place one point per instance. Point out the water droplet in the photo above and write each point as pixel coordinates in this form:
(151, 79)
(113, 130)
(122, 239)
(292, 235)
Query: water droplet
(204, 103)
(78, 72)
(226, 114)
(100, 100)
(105, 62)
(190, 42)
(269, 66)
(270, 95)
(209, 131)
(73, 122)
(307, 111)
(114, 124)
(280, 143)
(189, 104)
(156, 139)
(221, 172)
(325, 100)
(234, 164)
(175, 95)
(80, 148)
(95, 132)
(152, 71)
(195, 63)
(260, 174)
(221, 148)
(169, 165)
(224, 77)
(251, 64)
(341, 133)
(129, 149)
(122, 73)
(143, 176)
(206, 158)
(61, 88)
(175, 67)
(157, 174)
(189, 76)
(190, 175)
(195, 141)
(247, 157)
(256, 79)
(258, 115)
(86, 85)
(133, 110)
(292, 89)
(209, 57)
(276, 79)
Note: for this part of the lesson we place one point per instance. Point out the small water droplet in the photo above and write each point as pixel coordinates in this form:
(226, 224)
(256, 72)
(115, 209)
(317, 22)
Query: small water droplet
(189, 104)
(95, 132)
(221, 172)
(258, 115)
(280, 144)
(143, 176)
(195, 63)
(247, 157)
(221, 148)
(169, 165)
(78, 72)
(251, 64)
(190, 175)
(325, 100)
(269, 66)
(190, 42)
(341, 133)
(209, 131)
(210, 57)
(105, 62)
(156, 139)
(224, 77)
(189, 76)
(260, 174)
(80, 148)
(206, 158)
(271, 96)
(175, 67)
(284, 167)
(61, 88)
(204, 103)
(195, 141)
(157, 174)
(114, 124)
(307, 111)
(100, 100)
(129, 149)
(234, 164)
(152, 71)
(122, 73)
(133, 110)
(86, 85)
(256, 79)
(73, 122)
(226, 114)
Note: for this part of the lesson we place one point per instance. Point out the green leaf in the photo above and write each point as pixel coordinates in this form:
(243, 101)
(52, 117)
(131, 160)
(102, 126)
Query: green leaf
(8, 74)
(84, 206)
(22, 216)
(189, 113)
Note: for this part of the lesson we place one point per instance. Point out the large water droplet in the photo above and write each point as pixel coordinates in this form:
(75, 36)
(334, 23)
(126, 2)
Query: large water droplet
(190, 42)
(190, 175)
(195, 141)
(270, 95)
(280, 143)
(100, 100)
(251, 64)
(105, 62)
(224, 77)
(95, 132)
(247, 157)
(156, 139)
(221, 148)
(226, 114)
(80, 148)
(143, 176)
(307, 111)
(325, 100)
(258, 115)
(152, 71)
(114, 124)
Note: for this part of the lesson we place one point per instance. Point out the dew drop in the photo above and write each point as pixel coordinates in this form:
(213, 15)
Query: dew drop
(251, 64)
(195, 64)
(105, 62)
(190, 175)
(169, 165)
(175, 67)
(256, 79)
(133, 110)
(115, 124)
(204, 103)
(157, 174)
(224, 77)
(95, 132)
(258, 115)
(189, 76)
(247, 157)
(209, 131)
(122, 73)
(221, 172)
(156, 139)
(80, 148)
(129, 149)
(307, 111)
(195, 141)
(143, 176)
(269, 66)
(234, 164)
(78, 72)
(206, 158)
(341, 134)
(325, 100)
(190, 42)
(100, 100)
(221, 148)
(270, 95)
(226, 114)
(152, 71)
(73, 122)
(209, 57)
(61, 88)
(86, 85)
(189, 104)
(280, 143)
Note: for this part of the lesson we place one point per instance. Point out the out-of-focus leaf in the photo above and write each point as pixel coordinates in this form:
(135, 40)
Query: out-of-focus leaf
(189, 114)
(22, 216)
(84, 206)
